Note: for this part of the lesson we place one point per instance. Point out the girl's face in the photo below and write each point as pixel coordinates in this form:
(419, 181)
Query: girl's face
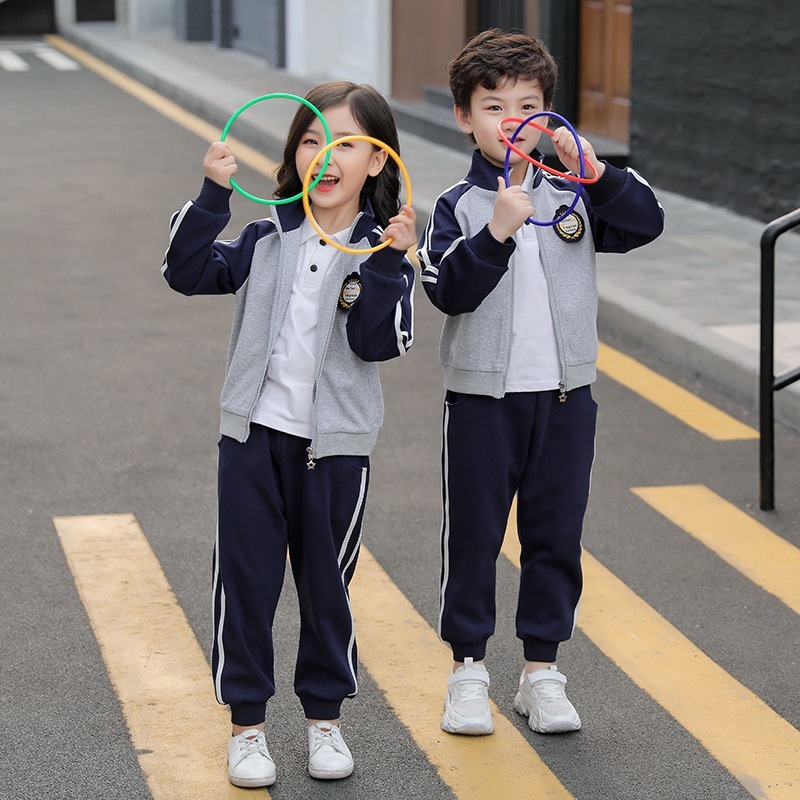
(336, 197)
(519, 98)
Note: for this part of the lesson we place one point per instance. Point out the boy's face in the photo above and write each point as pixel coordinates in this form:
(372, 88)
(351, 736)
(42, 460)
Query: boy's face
(487, 107)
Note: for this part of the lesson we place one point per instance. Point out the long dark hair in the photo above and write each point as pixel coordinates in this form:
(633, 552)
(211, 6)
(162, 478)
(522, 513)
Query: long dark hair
(371, 111)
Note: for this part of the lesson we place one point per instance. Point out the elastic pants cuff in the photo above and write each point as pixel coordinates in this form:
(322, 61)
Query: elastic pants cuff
(537, 650)
(314, 708)
(474, 650)
(247, 714)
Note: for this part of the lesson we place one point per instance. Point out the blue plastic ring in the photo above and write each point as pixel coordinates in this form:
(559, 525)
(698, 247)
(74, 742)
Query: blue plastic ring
(582, 171)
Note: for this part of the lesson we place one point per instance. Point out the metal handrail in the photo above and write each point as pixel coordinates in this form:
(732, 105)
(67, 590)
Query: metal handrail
(768, 382)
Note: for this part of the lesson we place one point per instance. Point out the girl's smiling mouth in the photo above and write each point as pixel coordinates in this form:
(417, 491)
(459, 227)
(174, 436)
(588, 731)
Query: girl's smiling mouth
(327, 183)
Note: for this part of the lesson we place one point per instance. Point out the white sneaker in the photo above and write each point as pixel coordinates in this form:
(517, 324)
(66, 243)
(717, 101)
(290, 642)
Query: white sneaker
(466, 707)
(249, 762)
(328, 755)
(542, 699)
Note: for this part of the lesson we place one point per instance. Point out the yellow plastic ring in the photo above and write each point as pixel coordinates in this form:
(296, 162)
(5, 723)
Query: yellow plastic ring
(307, 180)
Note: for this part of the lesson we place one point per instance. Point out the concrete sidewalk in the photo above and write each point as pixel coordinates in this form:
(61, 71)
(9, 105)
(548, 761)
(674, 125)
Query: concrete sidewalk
(691, 298)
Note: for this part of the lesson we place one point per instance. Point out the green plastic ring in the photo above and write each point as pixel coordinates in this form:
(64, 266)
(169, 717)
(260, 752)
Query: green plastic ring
(283, 96)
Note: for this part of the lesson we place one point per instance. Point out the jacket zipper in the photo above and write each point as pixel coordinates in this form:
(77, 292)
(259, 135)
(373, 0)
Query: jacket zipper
(562, 385)
(311, 463)
(272, 332)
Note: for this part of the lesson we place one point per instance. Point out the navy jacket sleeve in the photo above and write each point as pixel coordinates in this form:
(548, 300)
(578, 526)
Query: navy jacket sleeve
(380, 324)
(458, 273)
(624, 212)
(195, 262)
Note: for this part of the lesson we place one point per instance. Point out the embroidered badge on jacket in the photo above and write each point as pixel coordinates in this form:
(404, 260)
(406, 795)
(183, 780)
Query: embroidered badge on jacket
(351, 291)
(571, 228)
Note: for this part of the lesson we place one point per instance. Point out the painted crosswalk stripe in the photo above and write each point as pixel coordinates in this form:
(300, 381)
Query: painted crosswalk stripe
(708, 703)
(56, 59)
(159, 672)
(152, 657)
(392, 634)
(765, 558)
(669, 397)
(11, 62)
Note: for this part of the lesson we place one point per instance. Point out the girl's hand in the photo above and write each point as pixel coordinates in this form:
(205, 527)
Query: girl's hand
(219, 164)
(511, 208)
(403, 229)
(567, 152)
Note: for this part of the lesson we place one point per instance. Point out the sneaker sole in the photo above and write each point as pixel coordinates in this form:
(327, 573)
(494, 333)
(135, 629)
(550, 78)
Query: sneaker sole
(331, 775)
(252, 783)
(473, 728)
(560, 726)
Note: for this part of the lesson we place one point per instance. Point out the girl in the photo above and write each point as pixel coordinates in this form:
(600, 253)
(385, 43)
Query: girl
(301, 407)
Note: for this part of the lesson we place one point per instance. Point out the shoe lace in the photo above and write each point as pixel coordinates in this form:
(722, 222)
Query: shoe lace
(251, 747)
(467, 690)
(326, 737)
(551, 691)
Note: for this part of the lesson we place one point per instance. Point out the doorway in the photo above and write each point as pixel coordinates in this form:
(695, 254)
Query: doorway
(257, 27)
(604, 83)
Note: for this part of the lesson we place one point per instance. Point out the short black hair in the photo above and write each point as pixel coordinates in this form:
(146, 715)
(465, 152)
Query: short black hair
(495, 56)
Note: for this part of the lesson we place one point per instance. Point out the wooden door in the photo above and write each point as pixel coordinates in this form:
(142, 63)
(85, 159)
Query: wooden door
(604, 82)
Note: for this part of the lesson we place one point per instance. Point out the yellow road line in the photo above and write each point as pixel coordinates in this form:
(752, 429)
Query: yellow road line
(406, 658)
(209, 133)
(670, 397)
(755, 551)
(756, 745)
(653, 387)
(152, 657)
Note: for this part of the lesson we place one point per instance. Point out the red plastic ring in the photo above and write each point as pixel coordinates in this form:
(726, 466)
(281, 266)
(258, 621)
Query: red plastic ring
(552, 170)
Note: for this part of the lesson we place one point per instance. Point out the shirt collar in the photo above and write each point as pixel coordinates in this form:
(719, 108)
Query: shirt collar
(307, 233)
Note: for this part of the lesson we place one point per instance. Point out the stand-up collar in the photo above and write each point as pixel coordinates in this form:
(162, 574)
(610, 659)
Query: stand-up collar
(484, 174)
(290, 216)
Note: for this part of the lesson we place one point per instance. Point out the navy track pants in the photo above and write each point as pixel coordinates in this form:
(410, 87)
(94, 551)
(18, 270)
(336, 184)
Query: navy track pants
(526, 444)
(268, 502)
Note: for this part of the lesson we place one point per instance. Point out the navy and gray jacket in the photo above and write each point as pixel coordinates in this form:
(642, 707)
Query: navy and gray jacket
(259, 268)
(469, 275)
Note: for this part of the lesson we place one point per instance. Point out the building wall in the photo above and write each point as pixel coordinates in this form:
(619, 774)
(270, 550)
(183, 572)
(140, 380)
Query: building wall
(716, 101)
(138, 16)
(426, 35)
(27, 17)
(347, 40)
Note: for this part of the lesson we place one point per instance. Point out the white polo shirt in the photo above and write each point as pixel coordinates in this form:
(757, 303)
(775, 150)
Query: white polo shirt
(533, 364)
(286, 402)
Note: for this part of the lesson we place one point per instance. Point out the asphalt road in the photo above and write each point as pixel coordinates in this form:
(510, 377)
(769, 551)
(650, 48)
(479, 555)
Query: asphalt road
(108, 404)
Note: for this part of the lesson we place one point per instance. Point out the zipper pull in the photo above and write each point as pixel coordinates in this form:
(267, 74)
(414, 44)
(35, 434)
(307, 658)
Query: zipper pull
(562, 387)
(310, 464)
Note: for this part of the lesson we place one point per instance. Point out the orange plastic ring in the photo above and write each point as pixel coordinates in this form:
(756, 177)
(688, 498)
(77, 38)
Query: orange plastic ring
(307, 180)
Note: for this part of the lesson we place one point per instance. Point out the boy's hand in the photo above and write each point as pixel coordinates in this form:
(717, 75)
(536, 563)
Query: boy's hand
(567, 152)
(219, 164)
(511, 208)
(403, 229)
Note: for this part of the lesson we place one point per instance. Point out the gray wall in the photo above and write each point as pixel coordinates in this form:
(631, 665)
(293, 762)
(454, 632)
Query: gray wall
(716, 101)
(27, 17)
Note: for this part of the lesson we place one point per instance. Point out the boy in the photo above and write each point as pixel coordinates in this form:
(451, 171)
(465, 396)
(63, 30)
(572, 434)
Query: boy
(518, 347)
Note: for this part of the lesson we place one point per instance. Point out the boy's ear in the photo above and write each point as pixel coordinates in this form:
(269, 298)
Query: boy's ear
(462, 119)
(377, 162)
